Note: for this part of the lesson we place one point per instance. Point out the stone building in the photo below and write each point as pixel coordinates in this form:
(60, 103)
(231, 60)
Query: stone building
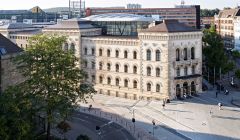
(161, 62)
(8, 74)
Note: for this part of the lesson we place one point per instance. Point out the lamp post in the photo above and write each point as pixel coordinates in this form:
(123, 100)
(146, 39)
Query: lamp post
(153, 122)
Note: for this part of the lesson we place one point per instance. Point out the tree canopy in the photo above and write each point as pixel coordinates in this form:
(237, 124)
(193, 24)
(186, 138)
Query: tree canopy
(54, 82)
(209, 12)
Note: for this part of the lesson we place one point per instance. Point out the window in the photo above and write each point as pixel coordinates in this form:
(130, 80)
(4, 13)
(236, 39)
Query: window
(149, 87)
(134, 55)
(125, 54)
(178, 71)
(72, 47)
(93, 65)
(85, 51)
(134, 84)
(93, 78)
(157, 72)
(93, 51)
(125, 83)
(117, 67)
(177, 55)
(157, 55)
(117, 53)
(125, 68)
(85, 64)
(157, 88)
(185, 53)
(108, 53)
(109, 81)
(186, 71)
(65, 47)
(108, 66)
(193, 70)
(192, 53)
(149, 71)
(100, 65)
(135, 69)
(100, 52)
(117, 82)
(100, 79)
(149, 55)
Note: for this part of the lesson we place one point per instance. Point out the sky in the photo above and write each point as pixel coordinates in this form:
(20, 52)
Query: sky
(28, 4)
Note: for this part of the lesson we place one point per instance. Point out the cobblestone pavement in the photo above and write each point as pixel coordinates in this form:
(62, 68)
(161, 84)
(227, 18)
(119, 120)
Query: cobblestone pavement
(187, 119)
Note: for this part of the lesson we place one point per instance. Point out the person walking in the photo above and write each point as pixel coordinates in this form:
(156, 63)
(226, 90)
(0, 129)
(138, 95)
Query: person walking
(211, 112)
(163, 105)
(220, 106)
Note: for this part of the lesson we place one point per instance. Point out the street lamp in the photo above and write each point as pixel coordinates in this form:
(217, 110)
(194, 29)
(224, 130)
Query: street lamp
(153, 122)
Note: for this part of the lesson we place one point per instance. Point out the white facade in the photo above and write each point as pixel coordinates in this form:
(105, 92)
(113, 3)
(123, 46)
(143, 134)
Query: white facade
(237, 33)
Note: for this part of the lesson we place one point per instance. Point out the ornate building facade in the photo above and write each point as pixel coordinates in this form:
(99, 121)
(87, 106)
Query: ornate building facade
(161, 62)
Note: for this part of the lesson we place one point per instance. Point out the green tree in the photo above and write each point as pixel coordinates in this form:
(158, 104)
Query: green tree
(53, 78)
(235, 54)
(237, 73)
(15, 115)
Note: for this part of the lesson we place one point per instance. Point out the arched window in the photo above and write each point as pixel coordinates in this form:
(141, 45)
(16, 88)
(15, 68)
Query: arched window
(72, 47)
(108, 66)
(65, 47)
(149, 86)
(117, 82)
(125, 68)
(93, 65)
(100, 79)
(149, 55)
(134, 55)
(135, 69)
(157, 88)
(117, 67)
(178, 71)
(100, 65)
(125, 54)
(149, 71)
(177, 55)
(116, 53)
(125, 83)
(192, 53)
(100, 52)
(185, 53)
(85, 63)
(134, 84)
(193, 70)
(158, 55)
(186, 71)
(109, 81)
(93, 51)
(157, 72)
(85, 51)
(108, 53)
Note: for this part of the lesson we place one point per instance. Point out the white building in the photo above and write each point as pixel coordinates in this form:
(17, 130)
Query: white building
(163, 61)
(236, 23)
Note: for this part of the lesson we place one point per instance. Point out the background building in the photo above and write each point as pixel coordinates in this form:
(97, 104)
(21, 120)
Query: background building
(134, 6)
(190, 15)
(8, 74)
(224, 22)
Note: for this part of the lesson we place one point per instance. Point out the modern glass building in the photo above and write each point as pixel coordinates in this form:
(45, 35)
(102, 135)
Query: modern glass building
(120, 24)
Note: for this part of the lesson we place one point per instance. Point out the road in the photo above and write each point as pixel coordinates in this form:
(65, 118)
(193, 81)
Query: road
(109, 130)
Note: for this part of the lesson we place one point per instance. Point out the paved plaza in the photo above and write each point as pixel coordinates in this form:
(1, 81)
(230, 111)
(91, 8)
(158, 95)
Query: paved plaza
(186, 119)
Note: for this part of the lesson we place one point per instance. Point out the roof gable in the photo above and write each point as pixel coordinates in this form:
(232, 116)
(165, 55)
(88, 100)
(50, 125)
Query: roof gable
(7, 46)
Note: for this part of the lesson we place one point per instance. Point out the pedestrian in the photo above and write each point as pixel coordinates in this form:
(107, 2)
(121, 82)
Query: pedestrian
(216, 94)
(185, 95)
(163, 105)
(89, 108)
(210, 112)
(226, 92)
(220, 106)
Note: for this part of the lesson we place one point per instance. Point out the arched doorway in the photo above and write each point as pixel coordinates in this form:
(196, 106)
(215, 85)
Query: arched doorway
(178, 91)
(185, 88)
(193, 88)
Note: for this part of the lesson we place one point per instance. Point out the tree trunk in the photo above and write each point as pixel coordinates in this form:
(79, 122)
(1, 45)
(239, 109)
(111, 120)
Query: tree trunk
(48, 130)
